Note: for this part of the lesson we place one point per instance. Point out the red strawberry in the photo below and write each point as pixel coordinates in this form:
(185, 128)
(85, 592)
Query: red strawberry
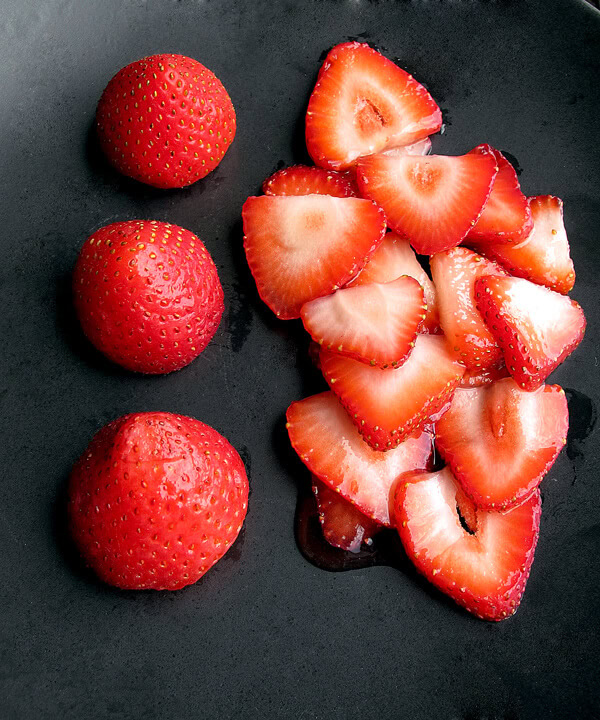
(344, 526)
(328, 444)
(375, 323)
(467, 510)
(156, 500)
(485, 572)
(479, 377)
(147, 294)
(500, 441)
(389, 405)
(301, 248)
(544, 256)
(454, 273)
(506, 217)
(362, 104)
(165, 120)
(393, 258)
(434, 200)
(535, 327)
(305, 180)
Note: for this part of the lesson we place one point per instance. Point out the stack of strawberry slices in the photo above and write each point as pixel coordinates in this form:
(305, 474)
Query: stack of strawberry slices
(458, 361)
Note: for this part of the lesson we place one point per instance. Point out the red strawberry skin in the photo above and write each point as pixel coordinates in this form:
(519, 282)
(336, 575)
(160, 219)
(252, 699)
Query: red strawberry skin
(156, 500)
(306, 180)
(536, 328)
(363, 103)
(500, 441)
(486, 572)
(147, 294)
(506, 217)
(165, 120)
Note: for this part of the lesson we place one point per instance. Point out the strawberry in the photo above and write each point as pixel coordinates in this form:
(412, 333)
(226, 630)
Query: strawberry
(147, 294)
(156, 500)
(544, 256)
(500, 441)
(165, 120)
(454, 273)
(327, 443)
(301, 248)
(375, 323)
(467, 510)
(479, 377)
(389, 405)
(434, 200)
(484, 572)
(506, 217)
(393, 258)
(362, 104)
(344, 526)
(535, 327)
(421, 147)
(305, 180)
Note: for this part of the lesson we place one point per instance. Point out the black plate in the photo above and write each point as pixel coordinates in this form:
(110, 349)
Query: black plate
(266, 633)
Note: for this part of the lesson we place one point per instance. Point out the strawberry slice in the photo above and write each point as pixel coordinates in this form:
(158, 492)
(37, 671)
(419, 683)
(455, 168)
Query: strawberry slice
(389, 405)
(480, 377)
(506, 217)
(486, 571)
(305, 180)
(394, 258)
(421, 147)
(544, 256)
(362, 104)
(434, 200)
(327, 442)
(535, 327)
(300, 248)
(375, 323)
(344, 526)
(454, 273)
(500, 441)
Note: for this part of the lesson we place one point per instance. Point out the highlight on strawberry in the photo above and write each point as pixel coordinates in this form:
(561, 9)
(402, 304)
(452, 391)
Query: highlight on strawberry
(456, 361)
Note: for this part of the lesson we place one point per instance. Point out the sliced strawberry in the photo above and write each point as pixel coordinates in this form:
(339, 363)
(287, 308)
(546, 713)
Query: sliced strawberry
(485, 572)
(421, 147)
(544, 256)
(389, 405)
(394, 258)
(376, 323)
(300, 248)
(535, 327)
(305, 180)
(362, 104)
(454, 273)
(467, 510)
(433, 200)
(500, 441)
(479, 377)
(328, 444)
(344, 526)
(506, 217)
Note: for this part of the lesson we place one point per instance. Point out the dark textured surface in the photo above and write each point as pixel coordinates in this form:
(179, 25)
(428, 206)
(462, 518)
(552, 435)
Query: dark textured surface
(266, 634)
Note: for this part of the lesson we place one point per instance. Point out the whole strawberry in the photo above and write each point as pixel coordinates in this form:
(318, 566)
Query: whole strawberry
(165, 120)
(156, 500)
(147, 294)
